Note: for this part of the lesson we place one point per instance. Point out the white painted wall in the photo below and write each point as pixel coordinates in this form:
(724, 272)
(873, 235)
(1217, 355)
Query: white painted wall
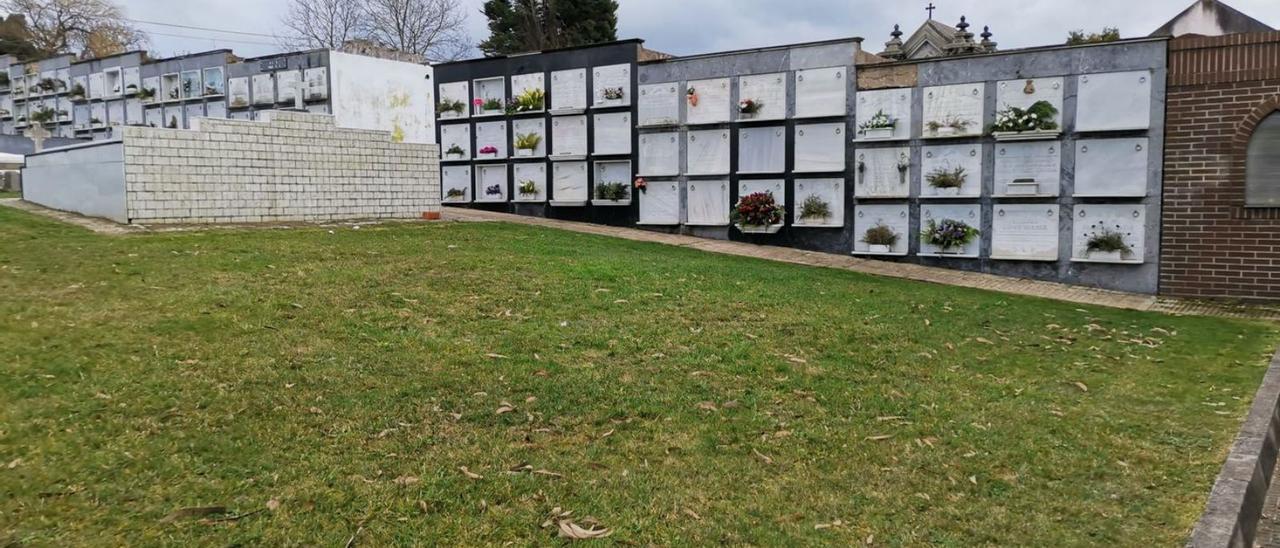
(380, 94)
(85, 179)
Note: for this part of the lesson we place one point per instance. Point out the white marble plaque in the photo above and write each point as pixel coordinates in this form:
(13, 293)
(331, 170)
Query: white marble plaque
(154, 117)
(193, 111)
(492, 134)
(713, 98)
(1025, 232)
(708, 203)
(776, 187)
(936, 160)
(264, 89)
(1111, 167)
(1029, 91)
(822, 92)
(98, 111)
(659, 154)
(1096, 219)
(456, 92)
(829, 191)
(769, 90)
(487, 89)
(238, 92)
(953, 111)
(521, 83)
(819, 148)
(1114, 101)
(1028, 169)
(659, 105)
(894, 216)
(133, 112)
(762, 149)
(569, 183)
(215, 109)
(318, 83)
(569, 136)
(882, 172)
(132, 79)
(287, 86)
(531, 172)
(660, 204)
(894, 103)
(529, 126)
(608, 80)
(569, 90)
(318, 109)
(241, 115)
(708, 152)
(457, 178)
(612, 133)
(614, 172)
(97, 85)
(491, 183)
(455, 134)
(172, 117)
(970, 214)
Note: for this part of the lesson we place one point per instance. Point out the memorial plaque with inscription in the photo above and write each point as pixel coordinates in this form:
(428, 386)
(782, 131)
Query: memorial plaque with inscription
(529, 126)
(708, 101)
(940, 162)
(264, 89)
(491, 134)
(612, 133)
(97, 85)
(154, 117)
(895, 217)
(1026, 92)
(659, 154)
(212, 109)
(287, 86)
(521, 83)
(1092, 220)
(827, 191)
(767, 90)
(1111, 167)
(526, 173)
(116, 111)
(458, 179)
(1025, 232)
(607, 81)
(660, 204)
(883, 172)
(317, 83)
(970, 214)
(491, 183)
(762, 149)
(455, 134)
(1114, 101)
(173, 118)
(893, 103)
(132, 78)
(953, 111)
(569, 183)
(659, 104)
(822, 92)
(569, 136)
(569, 90)
(708, 203)
(819, 148)
(708, 152)
(238, 92)
(1028, 169)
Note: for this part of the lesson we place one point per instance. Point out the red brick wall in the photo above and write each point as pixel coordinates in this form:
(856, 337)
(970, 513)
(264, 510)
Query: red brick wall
(1219, 89)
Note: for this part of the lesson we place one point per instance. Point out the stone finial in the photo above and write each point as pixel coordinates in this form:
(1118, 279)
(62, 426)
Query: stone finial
(987, 44)
(893, 48)
(963, 26)
(962, 41)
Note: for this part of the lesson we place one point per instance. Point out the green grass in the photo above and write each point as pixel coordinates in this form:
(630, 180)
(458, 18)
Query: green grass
(685, 398)
(4, 194)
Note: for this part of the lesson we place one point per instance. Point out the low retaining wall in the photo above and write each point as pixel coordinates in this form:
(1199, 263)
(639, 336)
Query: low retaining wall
(1235, 505)
(87, 179)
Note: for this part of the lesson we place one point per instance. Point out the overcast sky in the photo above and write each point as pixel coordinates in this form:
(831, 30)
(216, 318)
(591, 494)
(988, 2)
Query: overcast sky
(685, 27)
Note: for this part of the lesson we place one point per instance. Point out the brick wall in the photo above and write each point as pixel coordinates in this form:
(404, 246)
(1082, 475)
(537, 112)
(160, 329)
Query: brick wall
(294, 167)
(1220, 88)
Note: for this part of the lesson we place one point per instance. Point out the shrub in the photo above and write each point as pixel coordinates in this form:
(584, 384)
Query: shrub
(455, 149)
(451, 105)
(1107, 241)
(757, 209)
(455, 193)
(880, 235)
(947, 178)
(611, 191)
(528, 141)
(815, 208)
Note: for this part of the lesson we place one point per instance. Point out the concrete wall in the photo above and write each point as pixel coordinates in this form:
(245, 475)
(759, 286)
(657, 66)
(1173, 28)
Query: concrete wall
(86, 179)
(372, 93)
(293, 167)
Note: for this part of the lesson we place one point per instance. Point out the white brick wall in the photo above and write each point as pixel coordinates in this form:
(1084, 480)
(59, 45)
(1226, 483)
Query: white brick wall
(294, 167)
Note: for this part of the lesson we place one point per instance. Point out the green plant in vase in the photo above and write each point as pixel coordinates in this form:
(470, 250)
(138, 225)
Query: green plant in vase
(880, 238)
(527, 188)
(947, 182)
(815, 208)
(1107, 244)
(527, 143)
(612, 191)
(948, 235)
(758, 212)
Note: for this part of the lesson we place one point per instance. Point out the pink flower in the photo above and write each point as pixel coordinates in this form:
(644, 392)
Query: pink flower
(478, 102)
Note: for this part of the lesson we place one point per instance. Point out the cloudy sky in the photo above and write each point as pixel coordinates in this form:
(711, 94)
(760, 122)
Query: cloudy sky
(684, 27)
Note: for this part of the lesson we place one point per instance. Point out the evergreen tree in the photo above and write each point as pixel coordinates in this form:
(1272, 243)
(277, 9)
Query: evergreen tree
(517, 26)
(15, 38)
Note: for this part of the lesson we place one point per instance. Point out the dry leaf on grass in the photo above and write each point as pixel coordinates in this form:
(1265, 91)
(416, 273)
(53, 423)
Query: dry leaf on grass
(193, 512)
(273, 505)
(763, 457)
(406, 480)
(1081, 386)
(505, 407)
(573, 531)
(880, 437)
(469, 473)
(707, 406)
(984, 341)
(692, 514)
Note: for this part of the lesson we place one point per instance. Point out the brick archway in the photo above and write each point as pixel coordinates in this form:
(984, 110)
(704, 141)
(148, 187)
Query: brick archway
(1238, 153)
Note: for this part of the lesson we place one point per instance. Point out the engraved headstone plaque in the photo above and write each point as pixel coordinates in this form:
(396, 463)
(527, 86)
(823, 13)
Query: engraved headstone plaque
(708, 203)
(895, 217)
(762, 149)
(659, 104)
(970, 214)
(613, 133)
(173, 118)
(1114, 101)
(215, 109)
(569, 90)
(569, 183)
(940, 165)
(708, 152)
(1094, 220)
(1029, 91)
(660, 204)
(529, 126)
(456, 180)
(1025, 232)
(1111, 167)
(894, 104)
(238, 92)
(607, 81)
(132, 79)
(97, 85)
(953, 111)
(154, 117)
(708, 101)
(1028, 169)
(521, 83)
(767, 90)
(822, 92)
(819, 148)
(491, 134)
(569, 136)
(821, 191)
(659, 154)
(318, 83)
(491, 183)
(882, 172)
(456, 92)
(455, 135)
(526, 173)
(193, 111)
(264, 89)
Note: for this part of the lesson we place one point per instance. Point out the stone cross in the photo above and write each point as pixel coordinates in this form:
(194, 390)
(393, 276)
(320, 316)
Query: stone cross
(37, 133)
(930, 9)
(300, 95)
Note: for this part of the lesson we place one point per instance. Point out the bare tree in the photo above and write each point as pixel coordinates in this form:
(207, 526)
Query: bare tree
(432, 28)
(91, 27)
(322, 23)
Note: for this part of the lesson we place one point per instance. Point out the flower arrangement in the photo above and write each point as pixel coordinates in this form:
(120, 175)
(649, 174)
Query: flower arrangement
(451, 105)
(43, 116)
(488, 150)
(1037, 117)
(881, 238)
(878, 126)
(455, 193)
(814, 207)
(48, 85)
(529, 100)
(614, 94)
(904, 167)
(691, 95)
(528, 188)
(454, 151)
(487, 106)
(757, 211)
(749, 107)
(951, 124)
(948, 234)
(131, 89)
(947, 179)
(77, 92)
(493, 190)
(641, 184)
(526, 143)
(1108, 243)
(614, 191)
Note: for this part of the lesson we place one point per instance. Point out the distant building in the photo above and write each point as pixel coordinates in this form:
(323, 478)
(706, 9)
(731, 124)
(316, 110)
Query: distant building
(1211, 18)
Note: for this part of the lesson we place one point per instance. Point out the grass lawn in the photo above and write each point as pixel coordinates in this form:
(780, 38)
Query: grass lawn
(5, 194)
(339, 381)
